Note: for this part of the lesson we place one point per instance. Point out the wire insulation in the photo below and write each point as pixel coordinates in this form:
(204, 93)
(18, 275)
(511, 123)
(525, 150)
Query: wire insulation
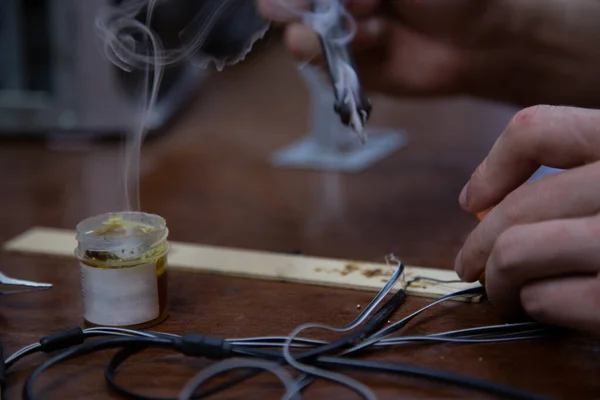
(251, 354)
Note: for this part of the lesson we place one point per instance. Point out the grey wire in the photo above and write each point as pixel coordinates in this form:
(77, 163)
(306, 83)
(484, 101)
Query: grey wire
(468, 335)
(425, 278)
(449, 336)
(358, 387)
(484, 334)
(20, 353)
(407, 339)
(233, 364)
(376, 337)
(304, 381)
(481, 328)
(272, 344)
(89, 332)
(277, 338)
(120, 332)
(441, 336)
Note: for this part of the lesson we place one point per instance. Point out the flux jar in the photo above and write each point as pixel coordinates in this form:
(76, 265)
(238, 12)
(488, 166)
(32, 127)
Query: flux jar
(123, 261)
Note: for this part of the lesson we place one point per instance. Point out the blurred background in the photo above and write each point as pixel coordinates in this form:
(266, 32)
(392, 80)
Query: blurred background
(207, 164)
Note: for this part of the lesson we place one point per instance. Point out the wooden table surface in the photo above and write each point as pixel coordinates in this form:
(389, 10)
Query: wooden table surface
(209, 177)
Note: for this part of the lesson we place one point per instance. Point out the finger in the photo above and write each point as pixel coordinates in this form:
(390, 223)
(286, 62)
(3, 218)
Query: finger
(572, 302)
(283, 10)
(568, 194)
(304, 43)
(370, 33)
(527, 253)
(559, 137)
(293, 10)
(361, 8)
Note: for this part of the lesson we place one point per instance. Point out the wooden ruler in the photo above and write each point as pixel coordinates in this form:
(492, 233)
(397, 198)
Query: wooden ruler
(263, 265)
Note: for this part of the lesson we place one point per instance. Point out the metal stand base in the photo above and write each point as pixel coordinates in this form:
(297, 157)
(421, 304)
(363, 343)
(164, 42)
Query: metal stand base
(309, 153)
(330, 145)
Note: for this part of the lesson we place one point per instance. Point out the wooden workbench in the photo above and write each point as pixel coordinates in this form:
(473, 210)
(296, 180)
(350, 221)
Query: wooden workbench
(209, 177)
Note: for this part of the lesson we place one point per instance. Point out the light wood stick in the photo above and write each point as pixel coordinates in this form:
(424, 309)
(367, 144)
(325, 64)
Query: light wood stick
(263, 265)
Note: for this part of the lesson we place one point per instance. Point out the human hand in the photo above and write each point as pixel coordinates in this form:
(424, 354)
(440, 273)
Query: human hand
(539, 243)
(521, 52)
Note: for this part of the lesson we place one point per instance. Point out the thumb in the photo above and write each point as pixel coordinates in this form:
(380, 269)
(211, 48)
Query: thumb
(305, 45)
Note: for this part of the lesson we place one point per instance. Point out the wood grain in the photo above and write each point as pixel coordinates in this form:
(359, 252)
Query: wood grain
(209, 176)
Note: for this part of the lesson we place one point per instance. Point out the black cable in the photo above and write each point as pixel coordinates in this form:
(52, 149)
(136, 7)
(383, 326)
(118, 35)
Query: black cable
(343, 362)
(53, 342)
(374, 323)
(411, 370)
(420, 372)
(62, 340)
(377, 319)
(217, 348)
(2, 373)
(368, 328)
(402, 323)
(393, 368)
(87, 348)
(190, 345)
(122, 355)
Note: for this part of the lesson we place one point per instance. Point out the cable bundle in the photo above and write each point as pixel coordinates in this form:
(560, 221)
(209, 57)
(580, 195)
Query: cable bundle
(313, 359)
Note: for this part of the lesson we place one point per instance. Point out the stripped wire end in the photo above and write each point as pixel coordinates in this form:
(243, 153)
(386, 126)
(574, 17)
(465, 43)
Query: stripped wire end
(352, 105)
(397, 263)
(358, 120)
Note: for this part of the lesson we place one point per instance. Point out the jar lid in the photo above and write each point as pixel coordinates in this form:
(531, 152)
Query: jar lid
(122, 235)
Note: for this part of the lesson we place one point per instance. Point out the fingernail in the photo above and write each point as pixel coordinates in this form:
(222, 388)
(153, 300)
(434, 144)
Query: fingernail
(462, 198)
(458, 267)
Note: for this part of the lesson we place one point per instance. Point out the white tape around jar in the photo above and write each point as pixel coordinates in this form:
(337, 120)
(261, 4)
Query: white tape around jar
(120, 296)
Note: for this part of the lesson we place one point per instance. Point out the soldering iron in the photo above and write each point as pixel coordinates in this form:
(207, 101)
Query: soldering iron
(351, 103)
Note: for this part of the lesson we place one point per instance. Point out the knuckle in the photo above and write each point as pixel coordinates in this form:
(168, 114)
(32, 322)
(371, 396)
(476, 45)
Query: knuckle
(528, 116)
(472, 259)
(533, 304)
(505, 255)
(510, 211)
(524, 124)
(593, 226)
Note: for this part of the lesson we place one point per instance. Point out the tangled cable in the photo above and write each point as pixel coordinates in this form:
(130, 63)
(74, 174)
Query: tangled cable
(313, 359)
